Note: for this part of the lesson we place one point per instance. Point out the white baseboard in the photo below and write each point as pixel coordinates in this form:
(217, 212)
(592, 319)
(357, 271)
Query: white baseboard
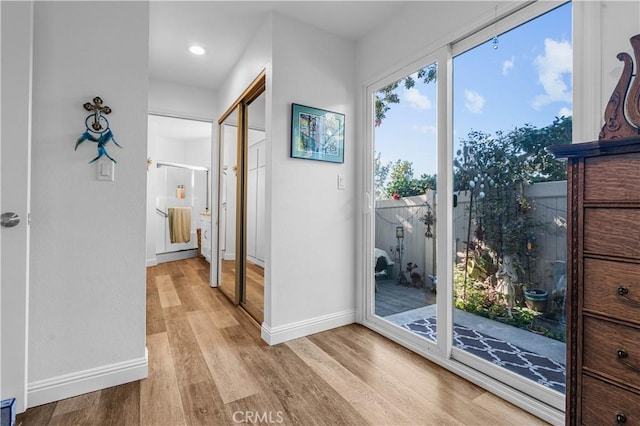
(172, 256)
(152, 262)
(81, 382)
(291, 331)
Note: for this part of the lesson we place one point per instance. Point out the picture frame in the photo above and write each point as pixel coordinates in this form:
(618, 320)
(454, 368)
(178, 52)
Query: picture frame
(317, 134)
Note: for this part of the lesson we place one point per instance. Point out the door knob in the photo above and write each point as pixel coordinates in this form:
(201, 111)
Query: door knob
(9, 220)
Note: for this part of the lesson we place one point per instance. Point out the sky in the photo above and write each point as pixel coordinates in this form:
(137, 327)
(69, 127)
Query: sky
(526, 80)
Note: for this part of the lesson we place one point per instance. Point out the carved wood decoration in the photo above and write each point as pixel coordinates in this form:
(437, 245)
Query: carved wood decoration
(633, 97)
(619, 124)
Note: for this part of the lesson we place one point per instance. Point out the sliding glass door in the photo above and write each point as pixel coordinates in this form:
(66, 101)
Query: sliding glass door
(405, 169)
(467, 231)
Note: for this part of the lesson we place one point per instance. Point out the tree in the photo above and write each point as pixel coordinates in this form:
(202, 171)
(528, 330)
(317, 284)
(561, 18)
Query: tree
(380, 173)
(387, 95)
(518, 156)
(494, 169)
(403, 183)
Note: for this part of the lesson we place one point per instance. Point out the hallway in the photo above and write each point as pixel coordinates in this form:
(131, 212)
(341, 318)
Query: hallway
(208, 365)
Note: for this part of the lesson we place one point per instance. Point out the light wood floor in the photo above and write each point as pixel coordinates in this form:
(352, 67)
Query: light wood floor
(208, 365)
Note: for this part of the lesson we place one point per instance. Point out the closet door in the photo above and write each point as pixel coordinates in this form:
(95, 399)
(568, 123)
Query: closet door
(253, 290)
(229, 203)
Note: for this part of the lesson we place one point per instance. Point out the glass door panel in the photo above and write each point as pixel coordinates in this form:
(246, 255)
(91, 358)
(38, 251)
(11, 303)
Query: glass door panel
(230, 184)
(405, 165)
(511, 99)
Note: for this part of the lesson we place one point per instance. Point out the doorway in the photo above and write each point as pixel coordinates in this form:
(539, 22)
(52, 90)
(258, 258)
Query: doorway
(459, 236)
(178, 189)
(241, 200)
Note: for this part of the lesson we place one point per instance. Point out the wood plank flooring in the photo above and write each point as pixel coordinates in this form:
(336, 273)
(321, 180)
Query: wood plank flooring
(209, 366)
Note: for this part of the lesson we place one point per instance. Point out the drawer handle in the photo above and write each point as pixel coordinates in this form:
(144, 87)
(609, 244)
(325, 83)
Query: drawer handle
(622, 295)
(621, 418)
(622, 355)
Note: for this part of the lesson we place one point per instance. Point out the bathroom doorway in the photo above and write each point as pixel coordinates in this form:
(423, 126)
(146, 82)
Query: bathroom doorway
(178, 189)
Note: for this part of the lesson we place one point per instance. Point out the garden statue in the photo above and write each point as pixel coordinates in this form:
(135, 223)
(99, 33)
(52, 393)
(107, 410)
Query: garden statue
(507, 277)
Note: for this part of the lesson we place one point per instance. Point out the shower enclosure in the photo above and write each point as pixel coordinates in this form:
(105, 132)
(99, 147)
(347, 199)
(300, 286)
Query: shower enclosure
(182, 197)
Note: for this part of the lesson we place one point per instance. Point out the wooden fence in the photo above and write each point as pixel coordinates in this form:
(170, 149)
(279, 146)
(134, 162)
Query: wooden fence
(548, 201)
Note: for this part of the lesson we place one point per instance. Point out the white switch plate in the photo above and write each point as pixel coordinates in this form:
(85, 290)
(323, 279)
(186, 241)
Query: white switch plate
(105, 170)
(340, 181)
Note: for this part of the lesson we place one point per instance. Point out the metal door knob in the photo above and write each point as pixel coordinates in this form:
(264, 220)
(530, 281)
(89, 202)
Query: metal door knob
(9, 220)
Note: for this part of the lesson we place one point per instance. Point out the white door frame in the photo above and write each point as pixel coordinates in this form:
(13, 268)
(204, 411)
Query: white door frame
(15, 129)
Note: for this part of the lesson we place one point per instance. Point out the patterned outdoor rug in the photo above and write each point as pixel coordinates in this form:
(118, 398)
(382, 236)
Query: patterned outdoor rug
(525, 363)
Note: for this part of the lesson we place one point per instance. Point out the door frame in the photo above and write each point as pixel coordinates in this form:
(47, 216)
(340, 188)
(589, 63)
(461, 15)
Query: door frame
(16, 77)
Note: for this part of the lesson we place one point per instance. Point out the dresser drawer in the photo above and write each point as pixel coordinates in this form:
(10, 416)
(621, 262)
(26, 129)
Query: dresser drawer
(612, 178)
(603, 404)
(612, 288)
(602, 341)
(612, 232)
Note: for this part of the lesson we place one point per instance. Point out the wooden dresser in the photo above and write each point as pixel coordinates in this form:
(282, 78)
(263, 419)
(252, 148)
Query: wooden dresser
(603, 285)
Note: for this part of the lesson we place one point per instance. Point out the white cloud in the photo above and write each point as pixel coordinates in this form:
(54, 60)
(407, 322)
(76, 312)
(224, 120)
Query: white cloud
(508, 65)
(425, 129)
(552, 67)
(416, 99)
(565, 112)
(474, 102)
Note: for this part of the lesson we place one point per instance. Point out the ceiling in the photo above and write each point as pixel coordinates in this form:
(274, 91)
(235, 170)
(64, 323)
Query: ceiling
(225, 28)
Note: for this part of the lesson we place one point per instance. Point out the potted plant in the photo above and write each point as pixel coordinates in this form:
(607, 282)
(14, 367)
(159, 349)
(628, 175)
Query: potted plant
(536, 299)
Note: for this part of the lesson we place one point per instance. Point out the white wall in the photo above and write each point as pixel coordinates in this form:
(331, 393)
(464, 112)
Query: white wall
(312, 223)
(602, 31)
(419, 28)
(87, 298)
(179, 100)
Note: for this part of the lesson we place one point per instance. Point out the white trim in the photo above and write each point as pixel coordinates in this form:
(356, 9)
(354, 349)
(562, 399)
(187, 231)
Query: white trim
(152, 262)
(80, 382)
(294, 330)
(176, 255)
(505, 18)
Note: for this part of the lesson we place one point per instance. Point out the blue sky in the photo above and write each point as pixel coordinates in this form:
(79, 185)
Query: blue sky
(526, 80)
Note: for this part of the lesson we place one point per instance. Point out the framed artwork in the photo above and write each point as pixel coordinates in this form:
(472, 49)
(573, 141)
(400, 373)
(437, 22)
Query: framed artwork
(317, 134)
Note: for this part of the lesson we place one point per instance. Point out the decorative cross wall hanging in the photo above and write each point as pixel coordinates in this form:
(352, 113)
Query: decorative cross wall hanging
(97, 128)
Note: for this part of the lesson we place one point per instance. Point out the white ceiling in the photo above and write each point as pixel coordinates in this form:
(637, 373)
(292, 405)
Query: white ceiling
(224, 29)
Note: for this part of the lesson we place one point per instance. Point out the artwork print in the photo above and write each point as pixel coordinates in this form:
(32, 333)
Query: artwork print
(317, 134)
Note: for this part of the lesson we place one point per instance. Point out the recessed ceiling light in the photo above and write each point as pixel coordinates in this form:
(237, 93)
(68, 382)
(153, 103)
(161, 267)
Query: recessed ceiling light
(196, 50)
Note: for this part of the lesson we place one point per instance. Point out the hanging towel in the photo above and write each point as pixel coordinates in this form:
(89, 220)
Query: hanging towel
(180, 224)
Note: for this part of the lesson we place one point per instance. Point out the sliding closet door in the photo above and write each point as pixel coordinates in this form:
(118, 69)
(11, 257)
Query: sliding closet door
(241, 200)
(253, 290)
(230, 193)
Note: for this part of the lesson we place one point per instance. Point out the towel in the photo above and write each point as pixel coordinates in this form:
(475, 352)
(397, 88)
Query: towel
(180, 224)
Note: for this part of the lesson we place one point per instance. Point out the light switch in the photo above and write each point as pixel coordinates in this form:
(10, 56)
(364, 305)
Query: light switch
(106, 169)
(340, 181)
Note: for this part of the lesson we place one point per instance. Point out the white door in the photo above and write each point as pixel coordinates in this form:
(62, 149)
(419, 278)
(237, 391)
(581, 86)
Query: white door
(15, 158)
